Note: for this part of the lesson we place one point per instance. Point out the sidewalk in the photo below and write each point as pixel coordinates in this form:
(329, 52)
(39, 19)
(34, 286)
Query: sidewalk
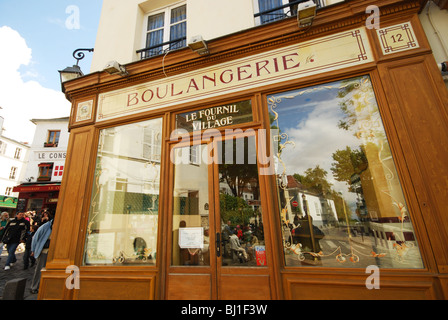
(15, 272)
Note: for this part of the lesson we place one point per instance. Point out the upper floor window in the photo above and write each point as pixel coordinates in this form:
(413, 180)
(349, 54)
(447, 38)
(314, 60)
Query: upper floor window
(17, 153)
(265, 7)
(151, 144)
(45, 171)
(273, 10)
(13, 173)
(2, 147)
(8, 191)
(165, 30)
(53, 138)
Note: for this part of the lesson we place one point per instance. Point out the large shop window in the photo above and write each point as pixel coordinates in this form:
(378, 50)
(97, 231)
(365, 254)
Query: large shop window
(341, 202)
(123, 219)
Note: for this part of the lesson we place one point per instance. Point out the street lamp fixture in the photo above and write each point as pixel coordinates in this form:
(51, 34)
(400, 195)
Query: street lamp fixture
(73, 72)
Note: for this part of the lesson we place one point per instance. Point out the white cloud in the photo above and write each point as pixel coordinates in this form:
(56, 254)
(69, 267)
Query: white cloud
(316, 138)
(22, 100)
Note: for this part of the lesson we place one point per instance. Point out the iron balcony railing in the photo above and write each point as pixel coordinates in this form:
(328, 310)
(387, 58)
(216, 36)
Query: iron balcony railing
(162, 48)
(266, 16)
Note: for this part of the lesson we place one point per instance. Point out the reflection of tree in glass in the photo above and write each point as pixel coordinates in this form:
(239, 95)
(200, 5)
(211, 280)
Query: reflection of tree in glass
(347, 163)
(238, 177)
(235, 209)
(314, 180)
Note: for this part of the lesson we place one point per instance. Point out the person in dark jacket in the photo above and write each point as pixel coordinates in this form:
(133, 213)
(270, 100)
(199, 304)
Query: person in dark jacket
(27, 256)
(15, 233)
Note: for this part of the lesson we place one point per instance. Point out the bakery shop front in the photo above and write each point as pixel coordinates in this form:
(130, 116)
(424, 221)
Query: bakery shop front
(274, 168)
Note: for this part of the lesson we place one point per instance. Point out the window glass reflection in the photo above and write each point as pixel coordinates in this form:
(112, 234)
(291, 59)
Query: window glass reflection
(340, 198)
(242, 230)
(123, 219)
(190, 201)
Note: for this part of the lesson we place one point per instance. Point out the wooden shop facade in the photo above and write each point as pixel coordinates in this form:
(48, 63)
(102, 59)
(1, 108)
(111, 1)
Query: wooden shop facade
(288, 163)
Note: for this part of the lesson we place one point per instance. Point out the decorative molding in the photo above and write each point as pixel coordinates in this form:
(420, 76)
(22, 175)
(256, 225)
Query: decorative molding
(329, 20)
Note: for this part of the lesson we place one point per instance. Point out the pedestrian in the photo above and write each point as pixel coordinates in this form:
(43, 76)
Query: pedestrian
(15, 233)
(3, 222)
(39, 249)
(27, 257)
(44, 218)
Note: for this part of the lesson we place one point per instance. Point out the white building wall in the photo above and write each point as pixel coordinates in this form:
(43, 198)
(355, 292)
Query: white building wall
(8, 161)
(121, 31)
(40, 154)
(435, 23)
(221, 18)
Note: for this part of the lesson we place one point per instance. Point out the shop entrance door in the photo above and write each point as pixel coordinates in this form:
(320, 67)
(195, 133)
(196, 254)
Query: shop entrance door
(218, 245)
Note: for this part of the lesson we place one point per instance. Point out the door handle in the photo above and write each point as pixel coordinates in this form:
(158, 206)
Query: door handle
(218, 244)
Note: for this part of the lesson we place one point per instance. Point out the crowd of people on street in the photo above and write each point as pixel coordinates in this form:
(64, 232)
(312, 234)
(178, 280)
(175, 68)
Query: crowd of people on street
(31, 229)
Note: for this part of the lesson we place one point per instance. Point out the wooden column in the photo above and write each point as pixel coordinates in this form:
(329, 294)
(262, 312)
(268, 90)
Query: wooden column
(73, 199)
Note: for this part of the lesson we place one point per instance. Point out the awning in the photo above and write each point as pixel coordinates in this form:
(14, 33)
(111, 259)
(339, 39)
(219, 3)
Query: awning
(8, 202)
(38, 187)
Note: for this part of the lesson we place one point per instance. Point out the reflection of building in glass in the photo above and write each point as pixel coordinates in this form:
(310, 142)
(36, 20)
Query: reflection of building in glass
(124, 213)
(320, 208)
(372, 203)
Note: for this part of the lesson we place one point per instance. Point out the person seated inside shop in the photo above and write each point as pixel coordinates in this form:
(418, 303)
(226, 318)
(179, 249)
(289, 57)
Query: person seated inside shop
(236, 247)
(250, 240)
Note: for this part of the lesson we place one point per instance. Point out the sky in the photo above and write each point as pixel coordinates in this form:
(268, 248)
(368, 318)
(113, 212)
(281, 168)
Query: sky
(310, 118)
(38, 38)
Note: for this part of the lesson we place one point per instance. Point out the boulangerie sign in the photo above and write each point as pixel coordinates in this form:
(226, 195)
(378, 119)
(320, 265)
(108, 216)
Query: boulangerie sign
(341, 50)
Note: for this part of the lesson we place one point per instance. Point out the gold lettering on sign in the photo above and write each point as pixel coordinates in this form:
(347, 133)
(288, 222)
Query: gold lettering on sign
(212, 117)
(341, 50)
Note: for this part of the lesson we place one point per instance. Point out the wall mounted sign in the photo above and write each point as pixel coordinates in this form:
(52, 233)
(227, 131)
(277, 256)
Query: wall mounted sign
(49, 155)
(341, 50)
(191, 238)
(37, 188)
(215, 117)
(397, 38)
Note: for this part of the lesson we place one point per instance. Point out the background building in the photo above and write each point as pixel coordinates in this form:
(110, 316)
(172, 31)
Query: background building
(13, 162)
(434, 20)
(42, 179)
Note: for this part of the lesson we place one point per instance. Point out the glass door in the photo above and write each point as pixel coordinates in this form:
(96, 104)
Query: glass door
(218, 241)
(191, 208)
(239, 204)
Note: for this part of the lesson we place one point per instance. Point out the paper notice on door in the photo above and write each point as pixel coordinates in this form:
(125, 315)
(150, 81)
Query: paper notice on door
(191, 238)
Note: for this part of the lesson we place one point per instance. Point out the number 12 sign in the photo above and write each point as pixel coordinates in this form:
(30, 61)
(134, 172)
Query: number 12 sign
(397, 38)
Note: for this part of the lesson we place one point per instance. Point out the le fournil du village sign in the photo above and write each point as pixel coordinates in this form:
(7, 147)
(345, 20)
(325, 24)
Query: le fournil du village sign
(215, 117)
